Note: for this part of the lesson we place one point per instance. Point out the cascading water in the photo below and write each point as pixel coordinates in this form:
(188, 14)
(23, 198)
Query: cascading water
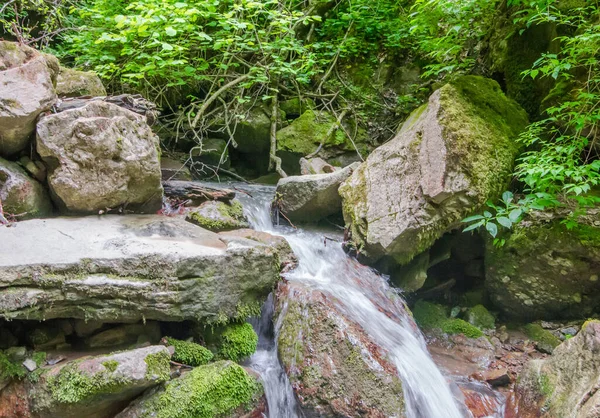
(367, 299)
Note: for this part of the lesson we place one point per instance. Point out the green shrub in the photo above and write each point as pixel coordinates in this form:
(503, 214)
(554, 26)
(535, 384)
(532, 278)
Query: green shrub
(238, 341)
(190, 353)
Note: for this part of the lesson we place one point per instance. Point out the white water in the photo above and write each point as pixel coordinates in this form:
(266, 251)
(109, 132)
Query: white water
(367, 299)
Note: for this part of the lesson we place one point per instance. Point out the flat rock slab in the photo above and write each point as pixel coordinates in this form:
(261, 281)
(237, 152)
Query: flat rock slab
(130, 268)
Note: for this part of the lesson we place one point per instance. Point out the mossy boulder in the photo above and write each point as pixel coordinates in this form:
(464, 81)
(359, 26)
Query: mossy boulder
(544, 340)
(433, 317)
(293, 108)
(545, 271)
(26, 90)
(333, 365)
(73, 83)
(238, 341)
(220, 389)
(566, 383)
(98, 387)
(479, 316)
(218, 216)
(450, 157)
(22, 195)
(189, 353)
(213, 152)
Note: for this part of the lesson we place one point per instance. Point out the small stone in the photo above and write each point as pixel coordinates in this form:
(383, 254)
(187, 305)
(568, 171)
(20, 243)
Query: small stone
(569, 331)
(30, 365)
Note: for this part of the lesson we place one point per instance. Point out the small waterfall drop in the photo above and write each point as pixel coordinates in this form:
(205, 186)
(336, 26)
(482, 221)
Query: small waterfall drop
(363, 296)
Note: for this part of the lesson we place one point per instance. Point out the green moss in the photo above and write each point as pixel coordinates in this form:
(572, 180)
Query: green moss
(541, 336)
(158, 366)
(458, 326)
(205, 392)
(39, 358)
(9, 369)
(545, 386)
(429, 315)
(238, 341)
(479, 316)
(111, 365)
(588, 235)
(221, 217)
(190, 353)
(246, 310)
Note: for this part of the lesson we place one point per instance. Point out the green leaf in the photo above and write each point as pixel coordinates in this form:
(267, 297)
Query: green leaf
(473, 226)
(492, 228)
(472, 218)
(487, 214)
(504, 221)
(514, 215)
(507, 197)
(170, 31)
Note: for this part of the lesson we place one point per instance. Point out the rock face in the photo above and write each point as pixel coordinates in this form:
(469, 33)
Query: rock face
(218, 216)
(100, 156)
(566, 383)
(312, 197)
(450, 156)
(73, 83)
(218, 389)
(333, 366)
(98, 387)
(545, 271)
(131, 268)
(20, 194)
(26, 90)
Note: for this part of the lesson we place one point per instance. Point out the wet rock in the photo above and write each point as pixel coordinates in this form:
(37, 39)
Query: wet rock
(498, 377)
(100, 157)
(544, 340)
(98, 387)
(217, 389)
(315, 166)
(125, 334)
(129, 269)
(450, 157)
(566, 383)
(218, 216)
(20, 194)
(545, 271)
(171, 169)
(312, 197)
(479, 316)
(14, 402)
(73, 83)
(333, 365)
(26, 90)
(196, 193)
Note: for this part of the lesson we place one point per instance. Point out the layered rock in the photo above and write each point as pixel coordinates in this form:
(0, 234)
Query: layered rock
(545, 271)
(20, 194)
(451, 155)
(312, 197)
(73, 83)
(333, 365)
(132, 268)
(98, 387)
(26, 90)
(566, 383)
(101, 156)
(218, 389)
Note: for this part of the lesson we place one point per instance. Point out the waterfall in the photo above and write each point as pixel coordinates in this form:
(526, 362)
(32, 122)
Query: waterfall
(363, 296)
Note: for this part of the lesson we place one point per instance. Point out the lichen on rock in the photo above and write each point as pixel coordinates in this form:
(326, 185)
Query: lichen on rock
(218, 216)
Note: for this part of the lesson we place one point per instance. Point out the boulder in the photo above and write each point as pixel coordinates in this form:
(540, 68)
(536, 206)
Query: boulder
(566, 383)
(20, 194)
(218, 216)
(131, 268)
(315, 166)
(214, 390)
(450, 157)
(73, 83)
(545, 271)
(26, 90)
(312, 197)
(172, 169)
(101, 156)
(213, 152)
(125, 334)
(333, 365)
(98, 387)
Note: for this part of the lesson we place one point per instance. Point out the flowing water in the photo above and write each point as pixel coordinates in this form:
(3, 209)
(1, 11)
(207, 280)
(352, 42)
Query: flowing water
(363, 296)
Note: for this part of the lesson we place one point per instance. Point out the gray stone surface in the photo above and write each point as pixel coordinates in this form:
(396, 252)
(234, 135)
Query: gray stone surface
(73, 83)
(130, 268)
(101, 156)
(26, 90)
(20, 194)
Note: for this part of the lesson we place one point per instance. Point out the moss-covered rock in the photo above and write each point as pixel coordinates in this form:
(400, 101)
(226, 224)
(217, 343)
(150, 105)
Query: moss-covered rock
(479, 316)
(431, 316)
(98, 386)
(22, 195)
(218, 216)
(544, 340)
(295, 107)
(449, 158)
(238, 341)
(545, 271)
(210, 391)
(73, 83)
(564, 384)
(213, 152)
(190, 353)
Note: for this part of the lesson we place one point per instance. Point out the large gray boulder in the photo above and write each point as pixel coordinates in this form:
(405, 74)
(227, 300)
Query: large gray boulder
(98, 387)
(566, 383)
(20, 194)
(132, 268)
(334, 366)
(101, 156)
(26, 90)
(73, 83)
(312, 197)
(450, 157)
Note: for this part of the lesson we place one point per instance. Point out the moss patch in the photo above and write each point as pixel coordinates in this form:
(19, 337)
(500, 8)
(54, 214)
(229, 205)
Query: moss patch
(111, 365)
(545, 340)
(238, 341)
(189, 353)
(157, 366)
(479, 316)
(430, 316)
(9, 369)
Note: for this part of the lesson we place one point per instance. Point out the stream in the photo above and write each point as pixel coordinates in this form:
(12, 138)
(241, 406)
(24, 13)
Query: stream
(363, 296)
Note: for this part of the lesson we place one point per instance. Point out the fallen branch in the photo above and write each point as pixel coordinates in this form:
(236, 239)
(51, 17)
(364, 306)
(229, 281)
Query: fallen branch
(274, 160)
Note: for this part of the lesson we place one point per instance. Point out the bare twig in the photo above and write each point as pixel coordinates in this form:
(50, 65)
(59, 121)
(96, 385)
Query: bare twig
(274, 160)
